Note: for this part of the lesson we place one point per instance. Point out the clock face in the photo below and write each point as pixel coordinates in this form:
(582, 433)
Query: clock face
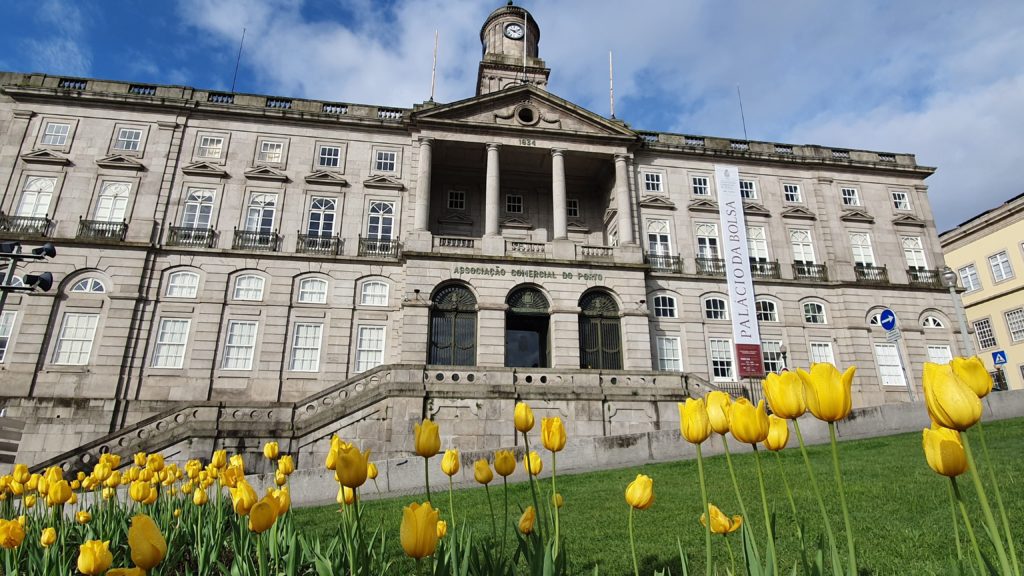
(514, 31)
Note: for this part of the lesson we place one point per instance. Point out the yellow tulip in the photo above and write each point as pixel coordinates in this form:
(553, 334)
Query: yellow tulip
(102, 471)
(827, 391)
(83, 517)
(271, 450)
(418, 532)
(284, 500)
(237, 461)
(527, 520)
(21, 473)
(126, 572)
(147, 544)
(951, 403)
(640, 492)
(59, 493)
(332, 455)
(718, 404)
(177, 513)
(786, 394)
(139, 490)
(694, 423)
(778, 433)
(748, 424)
(33, 482)
(371, 471)
(286, 464)
(200, 497)
(351, 466)
(523, 417)
(263, 515)
(29, 501)
(532, 463)
(155, 462)
(557, 501)
(219, 459)
(943, 451)
(111, 459)
(140, 459)
(442, 529)
(243, 497)
(345, 496)
(74, 499)
(482, 472)
(720, 523)
(231, 475)
(113, 479)
(153, 493)
(972, 372)
(428, 439)
(504, 462)
(109, 493)
(552, 433)
(12, 534)
(48, 537)
(94, 557)
(450, 463)
(280, 478)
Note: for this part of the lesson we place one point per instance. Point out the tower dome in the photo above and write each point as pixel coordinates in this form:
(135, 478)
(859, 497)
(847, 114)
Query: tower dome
(509, 39)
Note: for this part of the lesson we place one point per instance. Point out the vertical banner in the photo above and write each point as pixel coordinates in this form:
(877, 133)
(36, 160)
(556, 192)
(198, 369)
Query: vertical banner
(737, 272)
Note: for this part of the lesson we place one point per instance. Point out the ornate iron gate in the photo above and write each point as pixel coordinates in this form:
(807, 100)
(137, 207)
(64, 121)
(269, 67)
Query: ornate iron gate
(600, 336)
(453, 327)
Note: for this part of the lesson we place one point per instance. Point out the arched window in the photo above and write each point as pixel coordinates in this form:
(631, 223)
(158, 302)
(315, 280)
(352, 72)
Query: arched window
(932, 322)
(659, 240)
(715, 308)
(600, 336)
(767, 311)
(313, 291)
(814, 313)
(182, 285)
(89, 285)
(453, 326)
(526, 329)
(374, 293)
(249, 287)
(665, 307)
(875, 320)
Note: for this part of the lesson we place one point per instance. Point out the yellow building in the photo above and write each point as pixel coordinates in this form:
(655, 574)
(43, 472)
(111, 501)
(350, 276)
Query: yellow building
(987, 253)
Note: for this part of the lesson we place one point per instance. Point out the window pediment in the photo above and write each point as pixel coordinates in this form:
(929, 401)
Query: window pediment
(798, 212)
(702, 205)
(456, 218)
(45, 157)
(120, 161)
(383, 182)
(204, 169)
(657, 203)
(516, 223)
(753, 209)
(266, 173)
(326, 177)
(857, 215)
(908, 220)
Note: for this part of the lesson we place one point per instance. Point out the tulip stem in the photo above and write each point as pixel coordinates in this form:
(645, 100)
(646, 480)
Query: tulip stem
(732, 558)
(993, 528)
(732, 474)
(451, 502)
(817, 491)
(707, 510)
(554, 496)
(970, 529)
(956, 524)
(504, 525)
(842, 498)
(999, 500)
(533, 487)
(426, 477)
(767, 515)
(632, 543)
(490, 505)
(789, 492)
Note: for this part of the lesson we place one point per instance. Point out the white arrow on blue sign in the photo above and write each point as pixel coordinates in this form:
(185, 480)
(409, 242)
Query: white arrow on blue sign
(888, 319)
(999, 357)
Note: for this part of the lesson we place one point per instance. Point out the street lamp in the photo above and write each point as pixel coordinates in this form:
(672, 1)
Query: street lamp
(949, 279)
(783, 350)
(31, 282)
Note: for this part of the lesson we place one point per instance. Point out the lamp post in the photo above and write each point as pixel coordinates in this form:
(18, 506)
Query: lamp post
(31, 282)
(785, 363)
(949, 279)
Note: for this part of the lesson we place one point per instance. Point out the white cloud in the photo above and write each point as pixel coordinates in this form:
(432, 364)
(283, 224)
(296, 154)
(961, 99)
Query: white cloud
(63, 50)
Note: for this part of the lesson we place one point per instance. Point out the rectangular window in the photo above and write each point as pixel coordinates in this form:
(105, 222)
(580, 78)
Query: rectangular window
(850, 196)
(36, 196)
(860, 242)
(757, 244)
(248, 287)
(969, 278)
(771, 354)
(721, 359)
(1015, 324)
(700, 186)
(900, 200)
(456, 200)
(240, 345)
(513, 204)
(983, 330)
(380, 224)
(322, 212)
(940, 354)
(791, 192)
(74, 345)
(369, 348)
(748, 190)
(128, 139)
(210, 146)
(1000, 264)
(821, 352)
(112, 204)
(803, 247)
(6, 328)
(385, 161)
(172, 336)
(669, 356)
(270, 152)
(652, 183)
(890, 370)
(306, 347)
(56, 134)
(913, 250)
(329, 157)
(198, 208)
(572, 208)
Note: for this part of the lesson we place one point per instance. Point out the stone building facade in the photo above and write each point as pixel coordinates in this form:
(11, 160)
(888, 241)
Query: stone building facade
(237, 248)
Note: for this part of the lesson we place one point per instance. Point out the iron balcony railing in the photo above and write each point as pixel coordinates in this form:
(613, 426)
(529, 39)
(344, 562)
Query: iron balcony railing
(318, 244)
(30, 225)
(381, 248)
(256, 240)
(924, 277)
(763, 269)
(711, 266)
(810, 271)
(871, 274)
(102, 230)
(664, 263)
(750, 390)
(194, 237)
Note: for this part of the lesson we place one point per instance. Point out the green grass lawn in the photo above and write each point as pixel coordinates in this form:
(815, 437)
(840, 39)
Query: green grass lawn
(900, 508)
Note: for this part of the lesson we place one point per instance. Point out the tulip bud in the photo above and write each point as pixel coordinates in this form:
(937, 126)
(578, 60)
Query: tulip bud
(286, 465)
(83, 517)
(351, 466)
(694, 423)
(147, 544)
(748, 424)
(29, 501)
(720, 523)
(718, 403)
(552, 433)
(140, 459)
(94, 557)
(827, 391)
(200, 497)
(527, 520)
(220, 459)
(972, 372)
(177, 513)
(786, 394)
(532, 463)
(346, 496)
(778, 433)
(950, 402)
(371, 471)
(640, 492)
(442, 528)
(428, 439)
(557, 501)
(944, 451)
(21, 473)
(450, 462)
(279, 478)
(504, 462)
(48, 537)
(482, 472)
(243, 497)
(263, 515)
(523, 417)
(418, 532)
(271, 450)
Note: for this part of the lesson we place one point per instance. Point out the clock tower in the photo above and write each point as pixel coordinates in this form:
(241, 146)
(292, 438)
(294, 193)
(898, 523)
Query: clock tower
(510, 37)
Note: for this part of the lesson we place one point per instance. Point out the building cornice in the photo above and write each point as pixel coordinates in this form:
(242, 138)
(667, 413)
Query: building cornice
(983, 224)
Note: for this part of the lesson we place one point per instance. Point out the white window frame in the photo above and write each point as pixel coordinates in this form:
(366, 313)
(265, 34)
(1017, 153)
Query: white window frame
(312, 291)
(889, 363)
(7, 319)
(198, 209)
(1015, 323)
(251, 291)
(171, 343)
(984, 333)
(748, 189)
(717, 312)
(385, 161)
(707, 241)
(270, 151)
(771, 356)
(124, 140)
(88, 285)
(572, 208)
(700, 185)
(55, 137)
(321, 156)
(721, 360)
(969, 277)
(322, 217)
(36, 196)
(766, 310)
(381, 216)
(810, 317)
(665, 306)
(177, 287)
(368, 357)
(305, 350)
(112, 201)
(900, 200)
(999, 264)
(659, 238)
(850, 196)
(654, 182)
(75, 342)
(240, 347)
(791, 193)
(803, 248)
(913, 252)
(208, 143)
(939, 353)
(370, 293)
(820, 352)
(260, 205)
(757, 244)
(860, 245)
(670, 355)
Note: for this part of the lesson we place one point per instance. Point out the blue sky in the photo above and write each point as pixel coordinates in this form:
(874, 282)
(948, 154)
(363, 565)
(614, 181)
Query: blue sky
(939, 78)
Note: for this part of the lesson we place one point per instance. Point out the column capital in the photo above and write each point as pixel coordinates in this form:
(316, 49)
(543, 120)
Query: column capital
(426, 140)
(558, 151)
(24, 114)
(493, 145)
(620, 157)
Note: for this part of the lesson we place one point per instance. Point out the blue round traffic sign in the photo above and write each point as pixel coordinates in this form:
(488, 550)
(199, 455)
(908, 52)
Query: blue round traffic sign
(888, 319)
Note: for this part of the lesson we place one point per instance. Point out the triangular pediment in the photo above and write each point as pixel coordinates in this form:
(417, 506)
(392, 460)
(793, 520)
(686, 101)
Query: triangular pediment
(504, 108)
(266, 173)
(908, 220)
(702, 205)
(385, 182)
(657, 202)
(856, 215)
(204, 169)
(120, 161)
(327, 178)
(45, 157)
(751, 209)
(798, 212)
(516, 223)
(577, 227)
(456, 218)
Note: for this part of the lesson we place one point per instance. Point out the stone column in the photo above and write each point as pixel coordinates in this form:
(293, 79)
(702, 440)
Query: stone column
(423, 184)
(622, 201)
(558, 193)
(493, 186)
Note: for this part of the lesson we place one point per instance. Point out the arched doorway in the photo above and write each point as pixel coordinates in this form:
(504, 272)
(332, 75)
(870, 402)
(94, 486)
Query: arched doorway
(526, 329)
(453, 327)
(600, 337)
